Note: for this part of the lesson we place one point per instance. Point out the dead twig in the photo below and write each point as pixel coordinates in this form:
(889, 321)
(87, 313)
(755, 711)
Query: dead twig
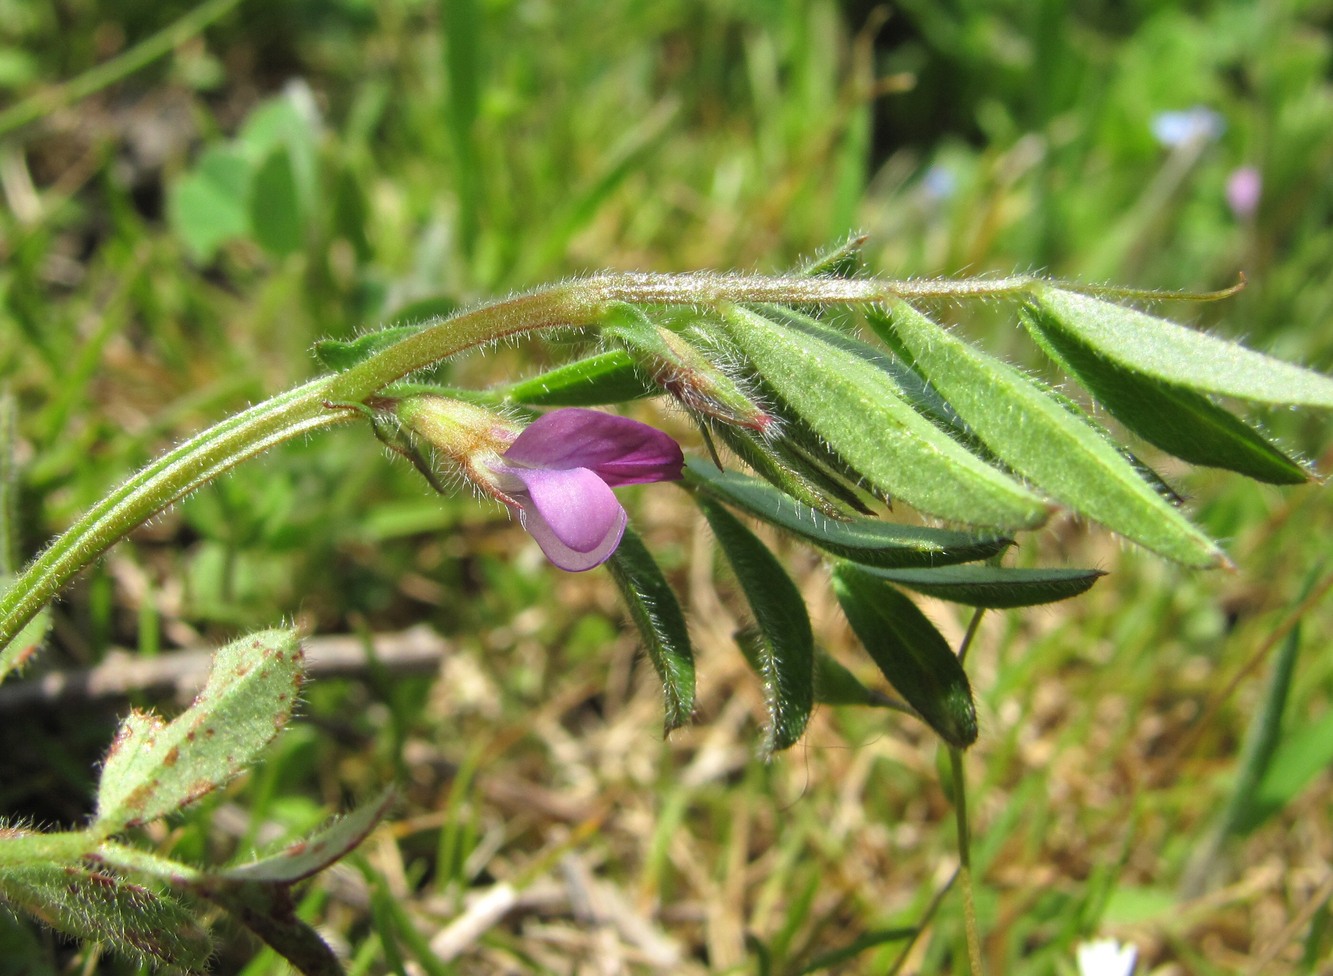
(418, 650)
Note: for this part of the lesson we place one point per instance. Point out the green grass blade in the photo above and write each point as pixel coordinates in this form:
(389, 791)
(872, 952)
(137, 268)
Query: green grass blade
(1304, 754)
(464, 55)
(1045, 443)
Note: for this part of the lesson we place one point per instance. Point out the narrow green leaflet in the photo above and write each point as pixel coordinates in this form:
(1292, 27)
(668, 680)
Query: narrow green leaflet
(343, 354)
(656, 612)
(787, 646)
(996, 587)
(316, 852)
(948, 418)
(1263, 737)
(155, 767)
(781, 465)
(834, 684)
(866, 541)
(1174, 354)
(1155, 480)
(1044, 442)
(95, 904)
(851, 404)
(1179, 421)
(609, 377)
(895, 366)
(842, 261)
(911, 653)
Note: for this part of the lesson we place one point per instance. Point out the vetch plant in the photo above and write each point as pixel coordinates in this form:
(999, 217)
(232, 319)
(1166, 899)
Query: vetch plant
(826, 425)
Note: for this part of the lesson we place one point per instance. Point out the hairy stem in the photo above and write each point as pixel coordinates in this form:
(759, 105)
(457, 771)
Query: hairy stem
(20, 849)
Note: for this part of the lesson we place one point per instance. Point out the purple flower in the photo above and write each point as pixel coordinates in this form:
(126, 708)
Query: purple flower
(558, 474)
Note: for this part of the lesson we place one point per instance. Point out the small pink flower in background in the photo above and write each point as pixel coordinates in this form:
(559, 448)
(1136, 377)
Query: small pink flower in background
(1244, 189)
(558, 474)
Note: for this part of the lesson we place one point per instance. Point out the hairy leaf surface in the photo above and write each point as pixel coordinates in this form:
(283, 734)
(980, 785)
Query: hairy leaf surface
(911, 653)
(787, 645)
(862, 540)
(1044, 442)
(155, 767)
(850, 404)
(1181, 356)
(316, 852)
(661, 622)
(89, 902)
(1179, 421)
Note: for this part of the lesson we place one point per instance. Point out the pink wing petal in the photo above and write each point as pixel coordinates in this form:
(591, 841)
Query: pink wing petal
(621, 451)
(572, 514)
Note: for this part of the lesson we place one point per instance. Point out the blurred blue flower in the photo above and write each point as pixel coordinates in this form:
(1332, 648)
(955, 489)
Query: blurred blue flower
(1180, 128)
(939, 183)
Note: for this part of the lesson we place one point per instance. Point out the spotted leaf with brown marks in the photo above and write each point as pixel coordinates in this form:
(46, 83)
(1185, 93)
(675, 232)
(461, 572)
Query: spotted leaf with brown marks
(156, 767)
